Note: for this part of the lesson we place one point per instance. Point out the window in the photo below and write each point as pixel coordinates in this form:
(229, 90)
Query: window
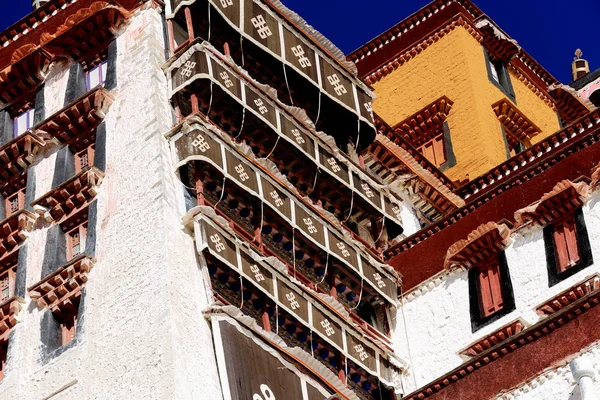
(434, 150)
(96, 76)
(68, 325)
(3, 355)
(498, 75)
(568, 248)
(23, 122)
(76, 241)
(15, 202)
(84, 158)
(7, 283)
(490, 291)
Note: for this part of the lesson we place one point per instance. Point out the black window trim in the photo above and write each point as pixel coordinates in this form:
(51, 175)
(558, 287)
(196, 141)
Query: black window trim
(505, 84)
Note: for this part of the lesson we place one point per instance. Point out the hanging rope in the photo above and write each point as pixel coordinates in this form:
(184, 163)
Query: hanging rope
(222, 193)
(294, 250)
(242, 125)
(287, 84)
(362, 283)
(318, 111)
(276, 318)
(209, 24)
(315, 181)
(351, 208)
(210, 101)
(381, 231)
(262, 216)
(242, 291)
(242, 51)
(326, 269)
(357, 137)
(273, 149)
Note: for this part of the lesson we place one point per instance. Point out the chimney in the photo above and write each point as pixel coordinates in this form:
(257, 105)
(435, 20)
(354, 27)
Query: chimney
(38, 3)
(579, 67)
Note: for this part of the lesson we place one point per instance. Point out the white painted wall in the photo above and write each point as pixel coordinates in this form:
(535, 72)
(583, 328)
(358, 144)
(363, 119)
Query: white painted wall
(144, 335)
(434, 323)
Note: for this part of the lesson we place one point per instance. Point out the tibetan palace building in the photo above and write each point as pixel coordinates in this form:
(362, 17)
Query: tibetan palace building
(206, 200)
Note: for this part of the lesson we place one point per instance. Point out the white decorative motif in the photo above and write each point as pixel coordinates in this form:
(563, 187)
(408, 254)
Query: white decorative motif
(261, 106)
(219, 246)
(261, 26)
(257, 274)
(292, 299)
(396, 210)
(368, 192)
(298, 136)
(328, 328)
(201, 144)
(334, 165)
(379, 280)
(241, 172)
(302, 59)
(343, 249)
(310, 226)
(267, 393)
(226, 79)
(369, 108)
(362, 353)
(226, 3)
(276, 198)
(187, 69)
(335, 81)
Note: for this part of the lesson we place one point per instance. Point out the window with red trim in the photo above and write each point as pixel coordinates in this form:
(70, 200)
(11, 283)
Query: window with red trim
(76, 241)
(489, 285)
(566, 246)
(435, 150)
(84, 158)
(7, 284)
(15, 202)
(68, 325)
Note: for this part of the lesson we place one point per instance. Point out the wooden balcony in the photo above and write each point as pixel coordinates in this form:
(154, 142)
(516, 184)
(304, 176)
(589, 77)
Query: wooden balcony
(13, 230)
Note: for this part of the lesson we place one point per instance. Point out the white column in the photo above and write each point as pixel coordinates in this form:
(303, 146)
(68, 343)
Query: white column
(583, 372)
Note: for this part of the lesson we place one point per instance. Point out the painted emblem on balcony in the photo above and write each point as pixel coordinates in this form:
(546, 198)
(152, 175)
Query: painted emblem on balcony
(328, 328)
(261, 26)
(343, 249)
(362, 353)
(261, 106)
(276, 199)
(335, 81)
(301, 55)
(267, 393)
(291, 298)
(226, 3)
(187, 69)
(334, 165)
(310, 226)
(242, 173)
(257, 274)
(219, 246)
(226, 79)
(379, 280)
(201, 144)
(298, 136)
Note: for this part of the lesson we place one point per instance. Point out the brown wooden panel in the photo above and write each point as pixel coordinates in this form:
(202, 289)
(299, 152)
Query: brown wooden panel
(367, 190)
(292, 300)
(259, 275)
(261, 106)
(336, 84)
(333, 165)
(197, 64)
(277, 198)
(252, 372)
(199, 143)
(362, 352)
(230, 8)
(365, 105)
(227, 79)
(292, 131)
(310, 225)
(219, 245)
(300, 55)
(379, 280)
(327, 327)
(241, 171)
(261, 26)
(343, 250)
(314, 394)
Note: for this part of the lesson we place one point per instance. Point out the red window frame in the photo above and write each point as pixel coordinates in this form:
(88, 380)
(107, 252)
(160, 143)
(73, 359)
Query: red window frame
(566, 244)
(15, 202)
(435, 150)
(76, 240)
(7, 284)
(84, 158)
(68, 326)
(489, 287)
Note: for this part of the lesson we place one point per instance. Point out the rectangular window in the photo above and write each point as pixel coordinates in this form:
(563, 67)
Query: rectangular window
(490, 289)
(23, 122)
(434, 150)
(84, 158)
(498, 74)
(68, 326)
(565, 244)
(15, 202)
(76, 241)
(494, 71)
(7, 283)
(97, 76)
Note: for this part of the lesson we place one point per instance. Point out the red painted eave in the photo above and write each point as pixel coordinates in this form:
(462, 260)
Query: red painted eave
(48, 27)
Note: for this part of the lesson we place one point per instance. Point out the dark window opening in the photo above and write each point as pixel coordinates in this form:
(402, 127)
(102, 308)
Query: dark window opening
(3, 356)
(498, 74)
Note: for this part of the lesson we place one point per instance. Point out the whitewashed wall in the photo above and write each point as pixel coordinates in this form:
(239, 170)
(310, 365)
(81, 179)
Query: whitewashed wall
(434, 324)
(144, 336)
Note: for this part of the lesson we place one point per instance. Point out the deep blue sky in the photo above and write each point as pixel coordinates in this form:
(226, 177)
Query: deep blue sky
(550, 30)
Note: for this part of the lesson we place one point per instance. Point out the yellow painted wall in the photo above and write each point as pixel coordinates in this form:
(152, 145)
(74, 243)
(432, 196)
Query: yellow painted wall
(455, 67)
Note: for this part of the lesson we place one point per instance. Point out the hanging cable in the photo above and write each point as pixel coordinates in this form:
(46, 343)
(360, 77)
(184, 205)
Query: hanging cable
(294, 250)
(242, 125)
(209, 24)
(222, 193)
(242, 291)
(242, 51)
(381, 231)
(315, 181)
(351, 208)
(362, 283)
(357, 137)
(262, 216)
(276, 319)
(210, 102)
(318, 111)
(287, 84)
(326, 269)
(273, 149)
